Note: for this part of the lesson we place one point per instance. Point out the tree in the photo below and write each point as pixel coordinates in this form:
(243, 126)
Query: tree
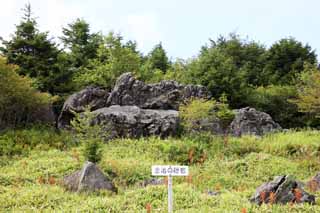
(113, 59)
(33, 51)
(90, 135)
(19, 100)
(285, 60)
(82, 44)
(158, 59)
(228, 66)
(309, 91)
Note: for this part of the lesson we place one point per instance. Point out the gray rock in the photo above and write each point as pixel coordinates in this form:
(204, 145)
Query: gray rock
(213, 193)
(88, 179)
(131, 121)
(284, 190)
(249, 121)
(152, 182)
(93, 97)
(164, 95)
(212, 125)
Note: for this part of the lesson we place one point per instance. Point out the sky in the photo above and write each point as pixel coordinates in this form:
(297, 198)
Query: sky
(183, 26)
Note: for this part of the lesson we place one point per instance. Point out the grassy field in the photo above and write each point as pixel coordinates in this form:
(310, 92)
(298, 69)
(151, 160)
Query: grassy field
(30, 177)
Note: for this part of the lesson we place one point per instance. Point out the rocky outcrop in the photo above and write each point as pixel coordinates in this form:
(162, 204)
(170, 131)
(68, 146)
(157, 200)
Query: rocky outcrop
(283, 189)
(135, 109)
(88, 179)
(164, 95)
(93, 97)
(249, 121)
(132, 121)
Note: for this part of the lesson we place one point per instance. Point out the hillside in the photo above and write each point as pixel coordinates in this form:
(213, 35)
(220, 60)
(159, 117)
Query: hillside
(234, 167)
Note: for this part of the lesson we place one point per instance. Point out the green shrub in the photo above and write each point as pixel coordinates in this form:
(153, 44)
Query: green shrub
(18, 98)
(89, 134)
(198, 109)
(275, 100)
(17, 142)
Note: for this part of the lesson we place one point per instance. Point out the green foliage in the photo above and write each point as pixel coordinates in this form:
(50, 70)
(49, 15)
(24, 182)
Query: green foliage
(21, 142)
(275, 100)
(228, 66)
(82, 44)
(19, 100)
(89, 134)
(29, 183)
(33, 51)
(199, 109)
(309, 91)
(158, 58)
(113, 59)
(285, 59)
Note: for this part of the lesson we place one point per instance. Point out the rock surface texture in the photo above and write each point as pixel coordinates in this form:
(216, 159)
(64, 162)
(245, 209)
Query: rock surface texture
(93, 97)
(134, 108)
(88, 179)
(163, 95)
(132, 121)
(314, 183)
(249, 121)
(282, 190)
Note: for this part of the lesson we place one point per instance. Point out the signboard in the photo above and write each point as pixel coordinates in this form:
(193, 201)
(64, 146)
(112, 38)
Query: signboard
(168, 170)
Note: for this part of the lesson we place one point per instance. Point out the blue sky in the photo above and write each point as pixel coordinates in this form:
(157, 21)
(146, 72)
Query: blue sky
(182, 26)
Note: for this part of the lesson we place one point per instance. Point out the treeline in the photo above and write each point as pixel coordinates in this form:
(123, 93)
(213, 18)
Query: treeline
(282, 80)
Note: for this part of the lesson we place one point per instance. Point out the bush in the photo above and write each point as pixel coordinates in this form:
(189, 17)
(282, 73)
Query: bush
(275, 100)
(309, 91)
(19, 101)
(89, 134)
(198, 109)
(17, 142)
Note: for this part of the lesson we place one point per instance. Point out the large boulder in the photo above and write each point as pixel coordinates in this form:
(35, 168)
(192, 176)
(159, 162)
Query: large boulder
(249, 121)
(93, 97)
(282, 190)
(90, 178)
(132, 121)
(164, 95)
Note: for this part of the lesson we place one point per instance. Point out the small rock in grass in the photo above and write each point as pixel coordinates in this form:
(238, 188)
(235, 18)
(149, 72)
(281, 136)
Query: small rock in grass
(282, 190)
(90, 178)
(152, 181)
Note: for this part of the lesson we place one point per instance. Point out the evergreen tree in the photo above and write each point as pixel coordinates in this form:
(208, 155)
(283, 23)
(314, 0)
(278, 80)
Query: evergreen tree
(82, 44)
(33, 51)
(285, 60)
(158, 58)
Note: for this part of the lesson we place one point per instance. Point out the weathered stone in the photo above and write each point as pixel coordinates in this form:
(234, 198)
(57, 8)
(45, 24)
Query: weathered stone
(131, 121)
(164, 95)
(283, 189)
(213, 193)
(212, 125)
(93, 97)
(152, 182)
(314, 183)
(249, 121)
(88, 179)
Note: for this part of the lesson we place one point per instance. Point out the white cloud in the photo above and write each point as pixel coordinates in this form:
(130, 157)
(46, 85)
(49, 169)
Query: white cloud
(144, 28)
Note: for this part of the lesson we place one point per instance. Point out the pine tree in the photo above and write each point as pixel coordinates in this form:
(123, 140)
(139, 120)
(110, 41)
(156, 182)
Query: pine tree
(33, 51)
(158, 58)
(82, 44)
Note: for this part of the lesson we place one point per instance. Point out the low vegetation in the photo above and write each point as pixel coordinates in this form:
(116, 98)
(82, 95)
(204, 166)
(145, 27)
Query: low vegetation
(30, 179)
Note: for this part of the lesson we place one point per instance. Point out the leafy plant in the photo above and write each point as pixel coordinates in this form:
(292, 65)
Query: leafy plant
(89, 134)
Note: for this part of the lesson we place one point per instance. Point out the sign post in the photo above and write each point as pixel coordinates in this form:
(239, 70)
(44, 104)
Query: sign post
(170, 171)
